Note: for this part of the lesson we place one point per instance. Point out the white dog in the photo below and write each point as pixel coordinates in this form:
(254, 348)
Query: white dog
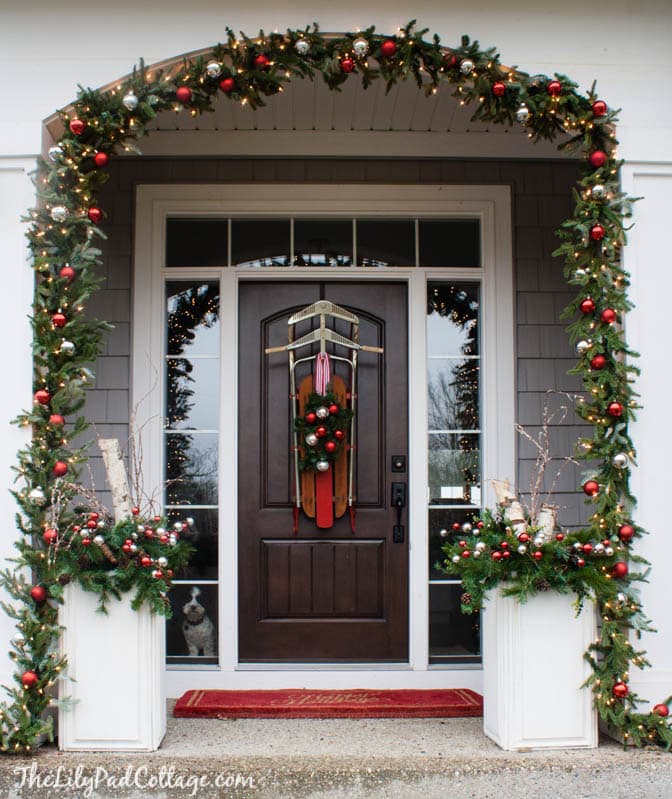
(198, 629)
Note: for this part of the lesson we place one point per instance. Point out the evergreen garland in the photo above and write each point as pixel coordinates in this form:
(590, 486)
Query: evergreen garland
(62, 237)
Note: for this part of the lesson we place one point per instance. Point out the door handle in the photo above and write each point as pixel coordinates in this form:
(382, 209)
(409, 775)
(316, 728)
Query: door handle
(398, 502)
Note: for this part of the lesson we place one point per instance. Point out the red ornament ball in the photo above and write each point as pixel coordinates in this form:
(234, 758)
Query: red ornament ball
(620, 690)
(126, 547)
(496, 555)
(321, 431)
(339, 434)
(42, 396)
(661, 710)
(499, 88)
(450, 60)
(330, 446)
(67, 273)
(504, 544)
(523, 538)
(559, 536)
(598, 362)
(38, 593)
(347, 65)
(227, 85)
(146, 561)
(480, 525)
(49, 536)
(58, 320)
(626, 532)
(95, 214)
(599, 108)
(92, 524)
(608, 316)
(101, 159)
(580, 562)
(587, 548)
(77, 126)
(60, 468)
(506, 554)
(537, 555)
(456, 526)
(183, 94)
(462, 544)
(29, 679)
(597, 158)
(615, 409)
(388, 48)
(94, 516)
(158, 574)
(56, 418)
(619, 569)
(554, 88)
(334, 409)
(261, 61)
(587, 305)
(597, 232)
(591, 488)
(311, 418)
(135, 510)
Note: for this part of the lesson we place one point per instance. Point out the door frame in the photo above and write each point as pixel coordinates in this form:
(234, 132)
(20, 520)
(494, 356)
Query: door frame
(492, 204)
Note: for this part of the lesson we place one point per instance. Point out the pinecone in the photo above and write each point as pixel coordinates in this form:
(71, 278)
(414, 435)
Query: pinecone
(543, 585)
(466, 598)
(64, 579)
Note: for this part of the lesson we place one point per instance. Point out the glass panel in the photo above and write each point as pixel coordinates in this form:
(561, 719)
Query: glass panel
(197, 242)
(452, 318)
(200, 530)
(192, 398)
(453, 636)
(385, 242)
(191, 468)
(450, 242)
(454, 469)
(445, 520)
(191, 633)
(260, 242)
(323, 242)
(193, 318)
(452, 393)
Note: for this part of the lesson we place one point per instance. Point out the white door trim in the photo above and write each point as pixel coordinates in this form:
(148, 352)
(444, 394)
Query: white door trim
(492, 204)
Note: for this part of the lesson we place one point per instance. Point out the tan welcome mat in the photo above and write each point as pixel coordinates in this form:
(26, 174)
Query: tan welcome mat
(306, 704)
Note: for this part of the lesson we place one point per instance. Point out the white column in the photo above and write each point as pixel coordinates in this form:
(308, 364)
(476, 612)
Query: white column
(16, 195)
(649, 260)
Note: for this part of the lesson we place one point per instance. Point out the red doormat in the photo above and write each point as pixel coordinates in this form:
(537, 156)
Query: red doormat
(305, 704)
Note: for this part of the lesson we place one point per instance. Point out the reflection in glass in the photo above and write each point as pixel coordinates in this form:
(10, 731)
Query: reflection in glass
(453, 636)
(453, 319)
(191, 468)
(450, 520)
(200, 527)
(197, 242)
(385, 242)
(260, 242)
(450, 242)
(191, 633)
(192, 398)
(323, 242)
(452, 393)
(193, 318)
(454, 469)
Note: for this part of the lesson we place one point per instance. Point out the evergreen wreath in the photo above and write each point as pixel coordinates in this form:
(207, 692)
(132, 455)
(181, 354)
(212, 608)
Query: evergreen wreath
(322, 431)
(67, 221)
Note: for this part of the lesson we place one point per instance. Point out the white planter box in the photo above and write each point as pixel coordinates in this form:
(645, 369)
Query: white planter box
(117, 663)
(533, 666)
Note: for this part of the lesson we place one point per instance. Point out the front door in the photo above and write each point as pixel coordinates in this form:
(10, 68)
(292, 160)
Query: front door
(334, 594)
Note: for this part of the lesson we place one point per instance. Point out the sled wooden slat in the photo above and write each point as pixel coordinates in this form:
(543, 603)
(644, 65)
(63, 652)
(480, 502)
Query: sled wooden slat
(307, 478)
(340, 467)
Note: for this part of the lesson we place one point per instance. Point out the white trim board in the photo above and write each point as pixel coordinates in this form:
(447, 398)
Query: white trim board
(492, 204)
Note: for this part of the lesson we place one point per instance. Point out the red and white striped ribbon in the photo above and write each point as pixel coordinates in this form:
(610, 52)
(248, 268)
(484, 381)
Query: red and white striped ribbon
(322, 372)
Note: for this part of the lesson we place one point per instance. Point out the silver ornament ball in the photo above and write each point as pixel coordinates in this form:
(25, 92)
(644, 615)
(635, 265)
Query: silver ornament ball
(476, 553)
(443, 533)
(456, 558)
(55, 152)
(178, 527)
(311, 439)
(59, 213)
(538, 542)
(360, 47)
(130, 101)
(583, 346)
(467, 66)
(160, 530)
(322, 466)
(36, 496)
(466, 527)
(608, 551)
(101, 525)
(190, 521)
(214, 69)
(140, 528)
(162, 561)
(480, 547)
(598, 191)
(302, 46)
(522, 113)
(598, 549)
(620, 460)
(99, 540)
(322, 412)
(67, 347)
(522, 549)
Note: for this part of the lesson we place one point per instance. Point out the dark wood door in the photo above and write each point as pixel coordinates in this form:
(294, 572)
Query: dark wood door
(335, 594)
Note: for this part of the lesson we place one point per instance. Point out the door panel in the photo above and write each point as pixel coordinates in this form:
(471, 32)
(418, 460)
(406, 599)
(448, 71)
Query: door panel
(322, 595)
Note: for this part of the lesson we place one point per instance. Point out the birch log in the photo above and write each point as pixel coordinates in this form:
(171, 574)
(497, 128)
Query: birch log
(546, 521)
(116, 477)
